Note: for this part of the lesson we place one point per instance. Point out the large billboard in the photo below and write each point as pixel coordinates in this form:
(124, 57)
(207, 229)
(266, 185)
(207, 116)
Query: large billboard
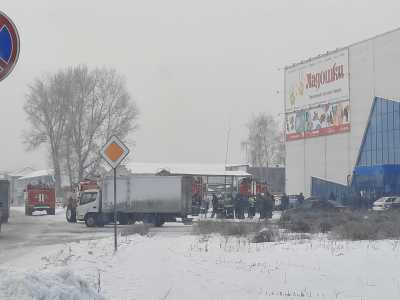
(317, 97)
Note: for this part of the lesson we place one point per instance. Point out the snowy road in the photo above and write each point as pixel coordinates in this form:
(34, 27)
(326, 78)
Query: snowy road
(23, 233)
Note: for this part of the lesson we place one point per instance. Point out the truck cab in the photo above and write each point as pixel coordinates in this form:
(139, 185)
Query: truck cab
(83, 201)
(88, 205)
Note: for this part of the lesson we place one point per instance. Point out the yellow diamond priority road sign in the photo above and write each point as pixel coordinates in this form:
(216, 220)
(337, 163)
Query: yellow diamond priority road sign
(114, 151)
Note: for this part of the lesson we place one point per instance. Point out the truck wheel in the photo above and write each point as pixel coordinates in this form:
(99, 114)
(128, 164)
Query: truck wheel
(148, 220)
(100, 222)
(90, 220)
(132, 220)
(28, 211)
(153, 220)
(187, 221)
(123, 219)
(158, 221)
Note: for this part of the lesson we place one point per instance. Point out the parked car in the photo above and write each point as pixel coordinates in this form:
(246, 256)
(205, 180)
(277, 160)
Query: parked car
(316, 204)
(386, 203)
(292, 201)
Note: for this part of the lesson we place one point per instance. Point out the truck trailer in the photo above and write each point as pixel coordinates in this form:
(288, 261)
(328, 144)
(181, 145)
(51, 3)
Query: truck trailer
(148, 198)
(4, 201)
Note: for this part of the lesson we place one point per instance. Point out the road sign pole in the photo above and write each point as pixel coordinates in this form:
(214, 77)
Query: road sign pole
(113, 152)
(115, 209)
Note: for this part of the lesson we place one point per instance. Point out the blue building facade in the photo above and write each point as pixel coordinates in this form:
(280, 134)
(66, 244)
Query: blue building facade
(377, 171)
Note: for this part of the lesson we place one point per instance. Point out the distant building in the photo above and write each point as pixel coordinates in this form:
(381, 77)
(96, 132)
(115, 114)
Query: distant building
(274, 177)
(12, 177)
(342, 113)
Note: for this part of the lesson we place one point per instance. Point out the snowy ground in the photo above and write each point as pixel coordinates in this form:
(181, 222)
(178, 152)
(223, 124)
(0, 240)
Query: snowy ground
(214, 267)
(23, 233)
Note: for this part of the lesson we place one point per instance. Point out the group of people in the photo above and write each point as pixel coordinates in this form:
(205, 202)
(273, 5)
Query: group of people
(285, 201)
(238, 206)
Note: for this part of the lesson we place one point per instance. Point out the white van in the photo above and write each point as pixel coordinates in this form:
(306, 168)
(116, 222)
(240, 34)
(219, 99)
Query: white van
(386, 203)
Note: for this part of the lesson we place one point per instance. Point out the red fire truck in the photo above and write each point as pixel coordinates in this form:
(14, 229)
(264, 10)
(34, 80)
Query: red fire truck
(38, 198)
(249, 186)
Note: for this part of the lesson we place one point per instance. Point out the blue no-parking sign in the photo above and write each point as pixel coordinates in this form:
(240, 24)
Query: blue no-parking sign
(9, 46)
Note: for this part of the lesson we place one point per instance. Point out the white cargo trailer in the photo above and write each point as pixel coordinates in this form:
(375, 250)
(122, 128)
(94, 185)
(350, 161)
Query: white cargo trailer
(148, 198)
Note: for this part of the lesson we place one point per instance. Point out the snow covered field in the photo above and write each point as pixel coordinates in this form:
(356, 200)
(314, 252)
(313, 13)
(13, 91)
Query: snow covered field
(212, 267)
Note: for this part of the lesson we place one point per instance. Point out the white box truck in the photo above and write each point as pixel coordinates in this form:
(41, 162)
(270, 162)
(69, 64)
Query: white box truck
(147, 198)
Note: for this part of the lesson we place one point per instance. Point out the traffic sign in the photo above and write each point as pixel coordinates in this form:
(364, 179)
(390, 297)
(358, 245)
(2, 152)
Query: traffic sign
(9, 45)
(114, 151)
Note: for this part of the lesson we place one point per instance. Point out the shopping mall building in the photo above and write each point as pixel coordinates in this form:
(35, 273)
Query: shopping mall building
(343, 119)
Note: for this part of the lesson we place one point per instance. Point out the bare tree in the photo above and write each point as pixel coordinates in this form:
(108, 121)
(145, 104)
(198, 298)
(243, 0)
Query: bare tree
(75, 112)
(46, 107)
(264, 145)
(101, 107)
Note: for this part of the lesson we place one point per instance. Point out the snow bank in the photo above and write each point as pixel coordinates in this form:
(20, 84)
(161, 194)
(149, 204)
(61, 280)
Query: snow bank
(176, 266)
(63, 285)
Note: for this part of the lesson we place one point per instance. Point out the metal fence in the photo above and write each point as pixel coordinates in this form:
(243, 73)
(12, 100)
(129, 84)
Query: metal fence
(325, 190)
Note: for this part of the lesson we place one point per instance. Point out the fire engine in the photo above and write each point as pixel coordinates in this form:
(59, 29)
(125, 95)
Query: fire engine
(248, 187)
(40, 197)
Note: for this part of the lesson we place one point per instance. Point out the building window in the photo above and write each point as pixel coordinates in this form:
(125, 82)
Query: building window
(384, 107)
(382, 140)
(379, 123)
(390, 120)
(396, 121)
(391, 157)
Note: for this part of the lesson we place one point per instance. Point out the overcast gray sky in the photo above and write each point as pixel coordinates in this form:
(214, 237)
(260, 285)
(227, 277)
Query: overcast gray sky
(193, 67)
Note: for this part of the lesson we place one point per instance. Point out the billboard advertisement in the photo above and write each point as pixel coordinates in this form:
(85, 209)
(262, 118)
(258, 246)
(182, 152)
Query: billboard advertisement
(330, 118)
(317, 97)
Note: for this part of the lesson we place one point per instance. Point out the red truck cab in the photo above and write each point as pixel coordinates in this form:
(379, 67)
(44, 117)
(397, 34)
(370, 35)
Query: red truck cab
(38, 198)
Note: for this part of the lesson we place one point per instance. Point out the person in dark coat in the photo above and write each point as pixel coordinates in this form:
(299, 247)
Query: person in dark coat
(236, 204)
(214, 205)
(266, 206)
(262, 205)
(258, 203)
(244, 202)
(285, 202)
(269, 205)
(204, 206)
(252, 207)
(300, 199)
(71, 210)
